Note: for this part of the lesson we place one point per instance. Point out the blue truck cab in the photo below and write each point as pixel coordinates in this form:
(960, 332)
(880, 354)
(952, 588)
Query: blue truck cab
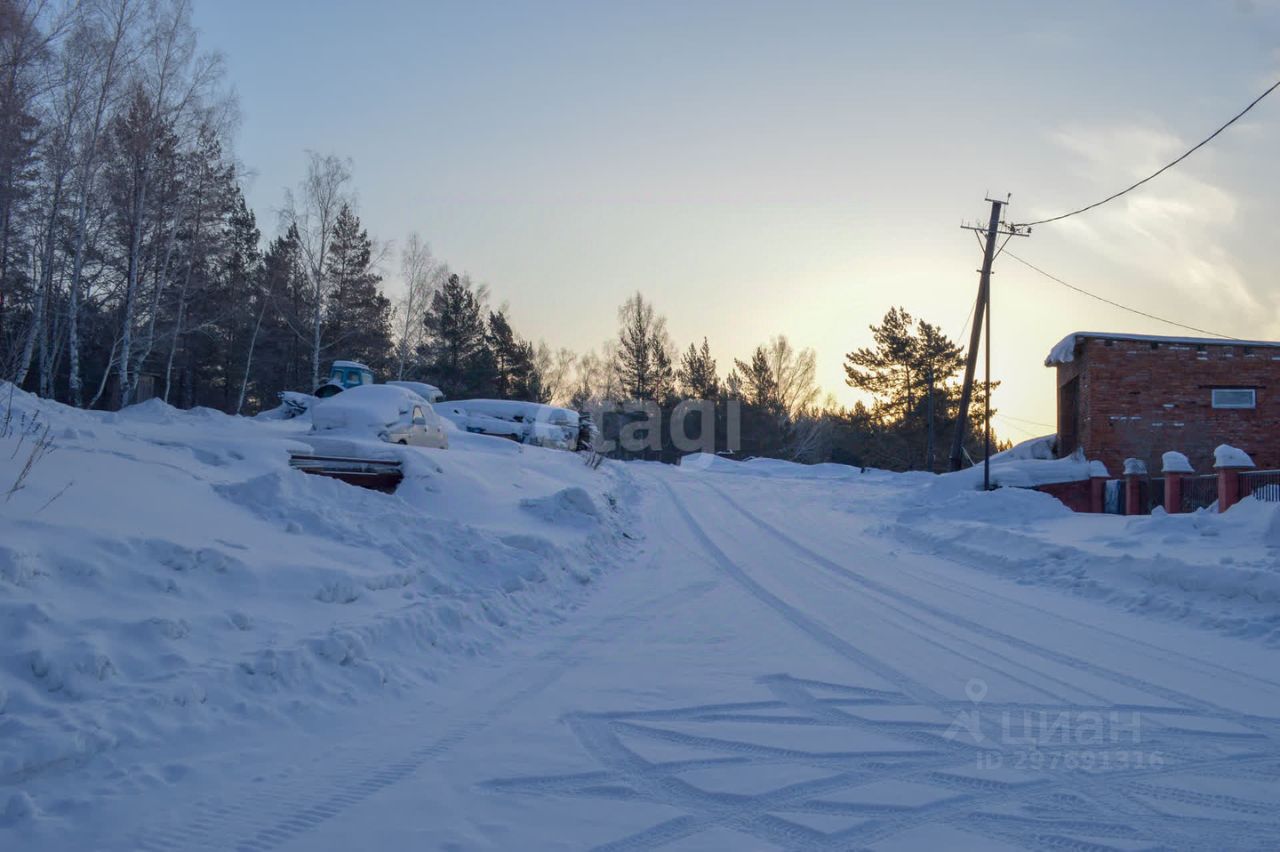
(343, 375)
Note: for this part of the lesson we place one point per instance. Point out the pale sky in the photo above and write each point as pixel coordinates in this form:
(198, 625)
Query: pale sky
(789, 167)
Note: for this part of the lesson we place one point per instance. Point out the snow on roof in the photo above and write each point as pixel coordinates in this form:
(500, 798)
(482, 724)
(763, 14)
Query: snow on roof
(430, 393)
(507, 409)
(368, 407)
(351, 365)
(1064, 352)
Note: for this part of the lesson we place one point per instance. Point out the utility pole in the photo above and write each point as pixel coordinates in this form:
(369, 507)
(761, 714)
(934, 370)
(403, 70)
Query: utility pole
(981, 315)
(986, 395)
(929, 451)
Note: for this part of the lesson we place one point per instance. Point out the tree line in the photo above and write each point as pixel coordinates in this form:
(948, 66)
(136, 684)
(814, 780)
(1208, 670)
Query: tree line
(132, 267)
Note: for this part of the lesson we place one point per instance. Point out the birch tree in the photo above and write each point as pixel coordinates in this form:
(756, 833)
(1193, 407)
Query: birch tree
(168, 96)
(313, 212)
(103, 38)
(422, 276)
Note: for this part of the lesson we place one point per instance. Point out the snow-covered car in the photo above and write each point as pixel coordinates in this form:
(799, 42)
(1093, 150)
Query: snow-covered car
(526, 422)
(391, 413)
(430, 393)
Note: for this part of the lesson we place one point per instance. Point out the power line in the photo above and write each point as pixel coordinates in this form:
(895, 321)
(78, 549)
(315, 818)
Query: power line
(1162, 169)
(1016, 427)
(1117, 304)
(1025, 420)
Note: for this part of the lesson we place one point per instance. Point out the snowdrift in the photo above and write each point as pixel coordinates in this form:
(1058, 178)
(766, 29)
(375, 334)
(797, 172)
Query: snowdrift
(164, 573)
(768, 468)
(1217, 571)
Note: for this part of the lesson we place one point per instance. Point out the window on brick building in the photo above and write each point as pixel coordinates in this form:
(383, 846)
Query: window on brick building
(1235, 398)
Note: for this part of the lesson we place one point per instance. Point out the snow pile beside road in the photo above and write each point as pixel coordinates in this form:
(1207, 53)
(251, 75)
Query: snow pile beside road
(1026, 465)
(1217, 571)
(164, 573)
(762, 467)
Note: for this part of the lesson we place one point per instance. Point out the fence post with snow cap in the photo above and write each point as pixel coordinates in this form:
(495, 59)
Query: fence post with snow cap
(1135, 470)
(1098, 477)
(1229, 462)
(1174, 466)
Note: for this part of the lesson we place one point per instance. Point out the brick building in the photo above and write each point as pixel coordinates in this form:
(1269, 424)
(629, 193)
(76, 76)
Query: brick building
(1133, 395)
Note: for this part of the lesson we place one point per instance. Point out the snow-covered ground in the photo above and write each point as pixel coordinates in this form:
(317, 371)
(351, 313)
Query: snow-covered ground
(206, 650)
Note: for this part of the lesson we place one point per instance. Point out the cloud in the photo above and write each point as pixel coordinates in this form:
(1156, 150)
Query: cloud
(1170, 238)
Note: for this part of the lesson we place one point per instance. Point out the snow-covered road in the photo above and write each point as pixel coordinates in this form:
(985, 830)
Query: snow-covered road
(771, 673)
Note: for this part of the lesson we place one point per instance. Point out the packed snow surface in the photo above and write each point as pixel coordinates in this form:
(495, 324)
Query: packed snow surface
(206, 650)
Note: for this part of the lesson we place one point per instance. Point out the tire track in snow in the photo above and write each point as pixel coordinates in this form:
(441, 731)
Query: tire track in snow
(1083, 803)
(288, 808)
(884, 591)
(1066, 788)
(797, 619)
(912, 539)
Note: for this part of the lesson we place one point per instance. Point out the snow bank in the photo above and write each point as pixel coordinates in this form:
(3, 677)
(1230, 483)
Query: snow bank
(1011, 507)
(164, 573)
(1044, 448)
(1218, 571)
(1013, 470)
(567, 506)
(772, 468)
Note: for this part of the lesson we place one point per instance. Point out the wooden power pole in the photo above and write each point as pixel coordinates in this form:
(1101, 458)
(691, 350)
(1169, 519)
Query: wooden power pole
(980, 315)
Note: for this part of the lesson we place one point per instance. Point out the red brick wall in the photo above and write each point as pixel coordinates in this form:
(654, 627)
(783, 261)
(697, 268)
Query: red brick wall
(1140, 401)
(1076, 496)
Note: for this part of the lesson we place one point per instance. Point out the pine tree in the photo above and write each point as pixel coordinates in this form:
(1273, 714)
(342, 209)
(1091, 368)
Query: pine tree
(759, 382)
(912, 365)
(456, 353)
(244, 288)
(196, 297)
(697, 373)
(889, 370)
(643, 357)
(516, 375)
(357, 317)
(283, 359)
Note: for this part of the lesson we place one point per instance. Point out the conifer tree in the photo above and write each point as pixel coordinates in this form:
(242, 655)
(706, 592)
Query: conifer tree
(516, 374)
(358, 317)
(643, 357)
(283, 360)
(456, 353)
(697, 373)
